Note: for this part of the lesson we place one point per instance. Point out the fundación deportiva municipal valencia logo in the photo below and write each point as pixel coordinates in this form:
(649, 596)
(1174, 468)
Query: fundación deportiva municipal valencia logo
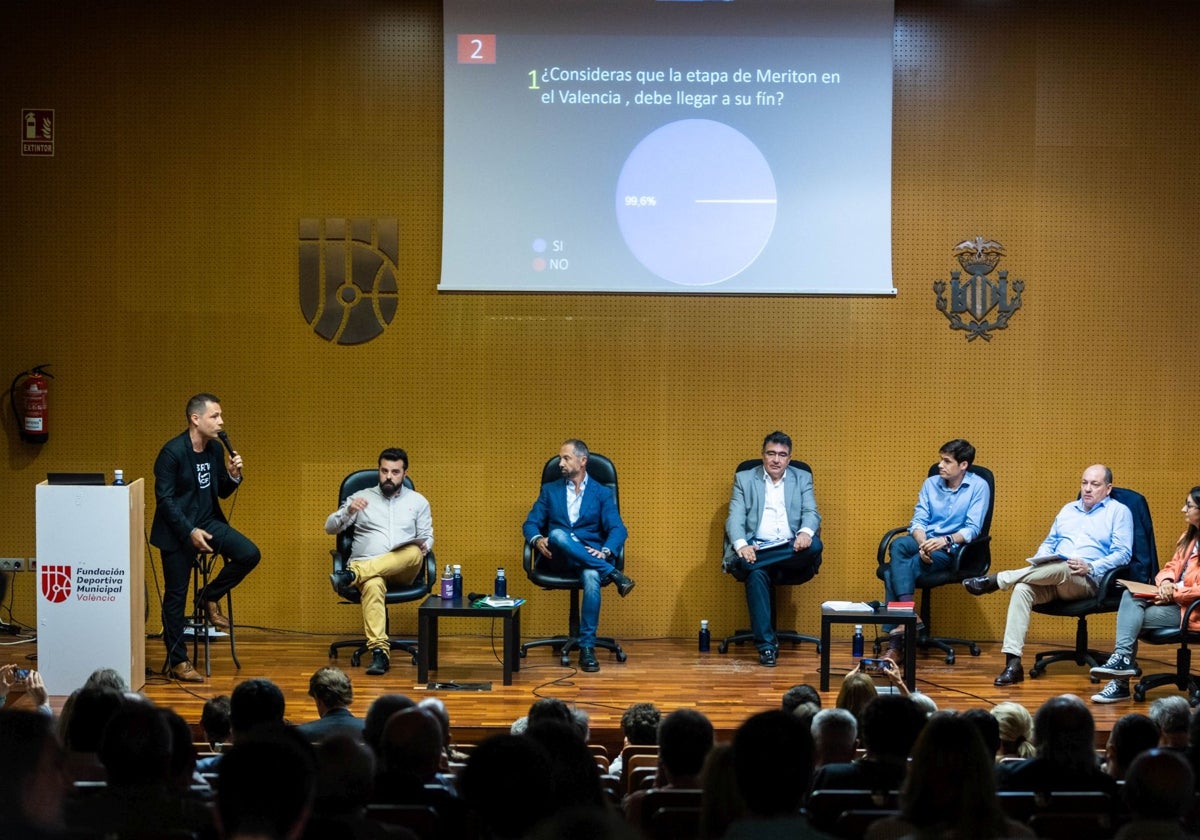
(56, 583)
(349, 278)
(977, 297)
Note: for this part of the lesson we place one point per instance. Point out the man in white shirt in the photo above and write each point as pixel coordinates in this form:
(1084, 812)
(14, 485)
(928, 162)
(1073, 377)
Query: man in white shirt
(393, 531)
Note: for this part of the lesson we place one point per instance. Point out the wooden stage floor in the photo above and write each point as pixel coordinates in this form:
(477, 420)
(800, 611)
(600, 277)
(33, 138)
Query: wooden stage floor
(668, 672)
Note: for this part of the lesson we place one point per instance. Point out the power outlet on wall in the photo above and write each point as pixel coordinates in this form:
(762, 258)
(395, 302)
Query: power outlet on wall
(12, 564)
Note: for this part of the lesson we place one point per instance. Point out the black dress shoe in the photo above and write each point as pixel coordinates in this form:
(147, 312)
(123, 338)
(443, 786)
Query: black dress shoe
(1012, 674)
(624, 584)
(343, 582)
(379, 663)
(766, 658)
(587, 660)
(981, 585)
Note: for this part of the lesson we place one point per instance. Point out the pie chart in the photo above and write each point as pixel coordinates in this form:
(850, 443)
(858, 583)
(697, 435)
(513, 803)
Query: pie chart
(696, 202)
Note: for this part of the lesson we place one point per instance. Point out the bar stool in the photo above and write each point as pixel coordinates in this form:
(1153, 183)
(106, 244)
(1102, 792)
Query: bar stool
(198, 624)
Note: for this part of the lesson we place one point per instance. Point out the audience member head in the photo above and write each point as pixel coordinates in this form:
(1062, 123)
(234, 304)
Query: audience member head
(214, 719)
(805, 713)
(890, 726)
(1065, 732)
(858, 689)
(835, 736)
(583, 723)
(549, 708)
(345, 775)
(1159, 786)
(135, 748)
(797, 694)
(496, 783)
(412, 744)
(265, 784)
(721, 802)
(684, 738)
(773, 762)
(32, 783)
(988, 726)
(1131, 735)
(924, 702)
(1171, 714)
(382, 708)
(106, 678)
(437, 707)
(330, 688)
(254, 703)
(183, 752)
(576, 778)
(951, 782)
(1016, 730)
(640, 723)
(91, 713)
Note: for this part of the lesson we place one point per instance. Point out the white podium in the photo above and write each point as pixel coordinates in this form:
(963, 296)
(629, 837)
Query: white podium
(91, 595)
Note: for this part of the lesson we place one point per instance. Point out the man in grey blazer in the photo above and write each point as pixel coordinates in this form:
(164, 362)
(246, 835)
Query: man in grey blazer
(771, 532)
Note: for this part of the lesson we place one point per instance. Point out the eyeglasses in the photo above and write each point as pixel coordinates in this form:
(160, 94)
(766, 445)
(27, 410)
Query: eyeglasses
(1190, 505)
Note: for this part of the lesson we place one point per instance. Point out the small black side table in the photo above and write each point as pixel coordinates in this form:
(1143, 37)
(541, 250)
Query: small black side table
(908, 618)
(433, 608)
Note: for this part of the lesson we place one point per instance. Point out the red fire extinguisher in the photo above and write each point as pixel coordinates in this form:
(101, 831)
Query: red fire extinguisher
(33, 412)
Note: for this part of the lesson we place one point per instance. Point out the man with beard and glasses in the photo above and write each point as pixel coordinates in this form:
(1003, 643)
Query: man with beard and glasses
(393, 531)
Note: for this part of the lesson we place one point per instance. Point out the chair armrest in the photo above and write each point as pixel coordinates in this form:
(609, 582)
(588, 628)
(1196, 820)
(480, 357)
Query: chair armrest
(339, 561)
(969, 550)
(881, 558)
(1186, 619)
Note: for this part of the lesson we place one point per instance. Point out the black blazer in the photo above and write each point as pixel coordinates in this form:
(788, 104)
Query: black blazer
(178, 493)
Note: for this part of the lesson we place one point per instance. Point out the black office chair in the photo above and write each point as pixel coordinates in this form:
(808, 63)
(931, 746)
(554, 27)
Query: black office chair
(600, 469)
(1182, 677)
(1143, 566)
(397, 593)
(972, 560)
(779, 577)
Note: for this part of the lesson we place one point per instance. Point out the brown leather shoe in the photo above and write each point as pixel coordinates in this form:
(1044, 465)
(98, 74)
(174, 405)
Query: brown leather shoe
(896, 656)
(184, 672)
(215, 617)
(981, 585)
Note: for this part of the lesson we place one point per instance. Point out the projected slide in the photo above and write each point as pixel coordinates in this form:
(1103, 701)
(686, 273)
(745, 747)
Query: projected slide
(668, 146)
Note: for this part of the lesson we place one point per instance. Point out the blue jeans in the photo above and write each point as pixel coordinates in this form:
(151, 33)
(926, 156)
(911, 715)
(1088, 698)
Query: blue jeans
(1136, 614)
(567, 554)
(900, 575)
(779, 564)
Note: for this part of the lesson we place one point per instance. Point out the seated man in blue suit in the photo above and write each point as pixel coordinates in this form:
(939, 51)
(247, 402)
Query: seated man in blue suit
(575, 526)
(772, 527)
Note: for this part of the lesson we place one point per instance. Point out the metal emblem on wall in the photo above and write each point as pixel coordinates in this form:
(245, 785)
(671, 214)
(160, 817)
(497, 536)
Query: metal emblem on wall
(977, 297)
(349, 289)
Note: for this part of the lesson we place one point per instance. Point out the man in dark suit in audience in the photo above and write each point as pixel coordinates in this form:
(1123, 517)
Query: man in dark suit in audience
(330, 689)
(771, 528)
(575, 526)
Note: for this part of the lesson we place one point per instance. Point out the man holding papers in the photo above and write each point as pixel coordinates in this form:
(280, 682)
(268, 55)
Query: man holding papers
(1094, 534)
(772, 527)
(1177, 586)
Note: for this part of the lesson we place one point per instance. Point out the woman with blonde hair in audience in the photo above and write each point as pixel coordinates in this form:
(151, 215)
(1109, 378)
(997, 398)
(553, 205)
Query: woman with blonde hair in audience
(1016, 731)
(950, 789)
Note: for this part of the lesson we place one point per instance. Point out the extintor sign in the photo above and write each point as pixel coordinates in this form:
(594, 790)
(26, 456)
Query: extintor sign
(37, 132)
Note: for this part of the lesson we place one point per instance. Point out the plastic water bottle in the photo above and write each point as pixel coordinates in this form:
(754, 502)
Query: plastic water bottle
(857, 644)
(501, 590)
(457, 580)
(447, 584)
(118, 478)
(705, 636)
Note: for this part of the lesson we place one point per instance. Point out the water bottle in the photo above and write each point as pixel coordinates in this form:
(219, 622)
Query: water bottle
(501, 590)
(457, 580)
(447, 584)
(857, 644)
(705, 637)
(118, 478)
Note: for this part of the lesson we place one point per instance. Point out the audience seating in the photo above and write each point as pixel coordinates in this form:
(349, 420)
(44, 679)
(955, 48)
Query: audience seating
(825, 806)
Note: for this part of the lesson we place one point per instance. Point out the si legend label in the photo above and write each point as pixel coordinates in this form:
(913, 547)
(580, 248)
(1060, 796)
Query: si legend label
(37, 132)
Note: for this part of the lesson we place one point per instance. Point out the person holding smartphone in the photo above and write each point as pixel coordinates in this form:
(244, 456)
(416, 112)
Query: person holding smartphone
(16, 682)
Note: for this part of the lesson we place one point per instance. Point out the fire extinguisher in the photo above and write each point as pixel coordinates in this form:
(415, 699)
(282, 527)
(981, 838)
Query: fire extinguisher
(32, 414)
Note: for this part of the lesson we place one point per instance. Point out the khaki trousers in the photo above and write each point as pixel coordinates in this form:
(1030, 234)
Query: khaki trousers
(371, 576)
(1037, 585)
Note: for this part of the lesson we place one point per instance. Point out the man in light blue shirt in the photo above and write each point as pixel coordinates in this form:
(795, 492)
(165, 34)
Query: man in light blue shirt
(950, 511)
(1089, 537)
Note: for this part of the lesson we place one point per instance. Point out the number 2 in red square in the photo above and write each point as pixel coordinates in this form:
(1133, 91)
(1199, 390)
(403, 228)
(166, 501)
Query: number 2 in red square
(476, 49)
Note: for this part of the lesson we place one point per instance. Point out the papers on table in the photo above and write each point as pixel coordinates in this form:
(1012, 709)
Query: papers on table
(846, 606)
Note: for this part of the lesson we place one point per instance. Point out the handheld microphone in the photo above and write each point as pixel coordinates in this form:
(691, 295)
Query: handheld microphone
(472, 597)
(224, 436)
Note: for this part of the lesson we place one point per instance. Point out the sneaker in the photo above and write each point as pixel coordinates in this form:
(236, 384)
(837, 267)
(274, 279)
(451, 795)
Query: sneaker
(587, 660)
(379, 662)
(766, 657)
(1117, 665)
(1114, 692)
